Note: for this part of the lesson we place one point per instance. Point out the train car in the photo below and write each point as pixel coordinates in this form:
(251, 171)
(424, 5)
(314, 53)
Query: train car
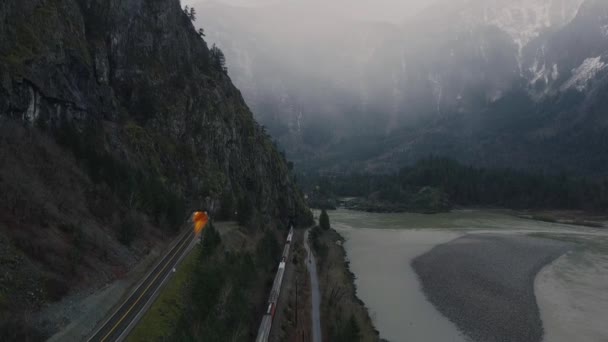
(290, 235)
(276, 285)
(264, 330)
(271, 309)
(273, 296)
(285, 254)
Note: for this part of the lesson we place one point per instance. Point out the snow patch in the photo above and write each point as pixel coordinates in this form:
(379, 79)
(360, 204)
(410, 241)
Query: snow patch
(437, 90)
(539, 74)
(299, 121)
(495, 96)
(555, 72)
(543, 73)
(33, 109)
(546, 73)
(522, 20)
(584, 73)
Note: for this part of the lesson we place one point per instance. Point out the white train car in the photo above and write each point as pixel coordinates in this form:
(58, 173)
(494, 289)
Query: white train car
(285, 254)
(290, 235)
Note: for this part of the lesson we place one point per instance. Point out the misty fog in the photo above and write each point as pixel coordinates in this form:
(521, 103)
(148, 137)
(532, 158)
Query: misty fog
(326, 76)
(380, 10)
(321, 58)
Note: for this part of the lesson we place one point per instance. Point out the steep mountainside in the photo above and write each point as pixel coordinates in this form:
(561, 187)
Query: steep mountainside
(116, 121)
(499, 83)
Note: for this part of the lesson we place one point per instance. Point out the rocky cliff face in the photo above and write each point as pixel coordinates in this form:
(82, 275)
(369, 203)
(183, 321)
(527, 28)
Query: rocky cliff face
(117, 120)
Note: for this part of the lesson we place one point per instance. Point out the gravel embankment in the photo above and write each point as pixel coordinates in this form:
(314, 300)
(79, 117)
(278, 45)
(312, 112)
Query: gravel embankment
(485, 284)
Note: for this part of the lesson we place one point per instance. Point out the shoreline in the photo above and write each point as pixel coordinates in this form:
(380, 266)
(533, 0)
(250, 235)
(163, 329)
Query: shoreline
(567, 217)
(573, 218)
(340, 304)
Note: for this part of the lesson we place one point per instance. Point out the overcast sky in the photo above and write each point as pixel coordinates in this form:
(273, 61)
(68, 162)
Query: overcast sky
(384, 10)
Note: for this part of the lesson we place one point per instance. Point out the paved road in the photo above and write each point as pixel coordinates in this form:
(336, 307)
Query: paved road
(126, 316)
(316, 297)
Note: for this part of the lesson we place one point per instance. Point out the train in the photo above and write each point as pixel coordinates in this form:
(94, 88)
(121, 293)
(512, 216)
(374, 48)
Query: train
(290, 235)
(266, 324)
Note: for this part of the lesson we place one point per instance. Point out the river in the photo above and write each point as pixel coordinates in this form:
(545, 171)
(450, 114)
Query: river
(572, 292)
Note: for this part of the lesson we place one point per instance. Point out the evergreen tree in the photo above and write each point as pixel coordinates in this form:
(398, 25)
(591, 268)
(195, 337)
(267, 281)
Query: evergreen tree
(268, 250)
(218, 57)
(211, 239)
(244, 211)
(348, 331)
(226, 206)
(353, 331)
(324, 220)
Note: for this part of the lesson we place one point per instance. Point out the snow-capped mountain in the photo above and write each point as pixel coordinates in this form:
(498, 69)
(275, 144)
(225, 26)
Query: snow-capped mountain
(522, 20)
(506, 82)
(512, 36)
(572, 57)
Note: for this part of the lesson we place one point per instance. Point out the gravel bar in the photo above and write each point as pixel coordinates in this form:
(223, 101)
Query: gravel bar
(484, 283)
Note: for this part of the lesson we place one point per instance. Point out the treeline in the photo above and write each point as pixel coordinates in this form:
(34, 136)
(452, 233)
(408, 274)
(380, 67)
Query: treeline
(469, 185)
(209, 280)
(220, 305)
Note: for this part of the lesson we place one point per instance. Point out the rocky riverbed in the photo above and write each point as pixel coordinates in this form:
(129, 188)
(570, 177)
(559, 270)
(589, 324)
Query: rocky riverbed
(484, 283)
